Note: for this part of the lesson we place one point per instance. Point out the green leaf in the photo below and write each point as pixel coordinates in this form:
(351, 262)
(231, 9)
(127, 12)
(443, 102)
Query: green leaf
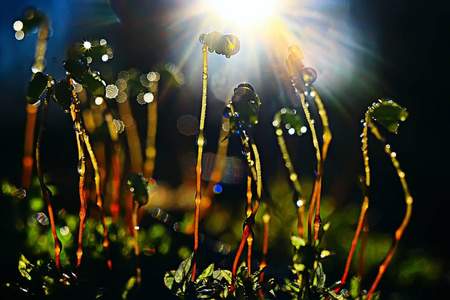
(206, 273)
(63, 94)
(25, 267)
(246, 104)
(297, 241)
(355, 286)
(76, 66)
(169, 278)
(37, 87)
(227, 275)
(129, 285)
(184, 269)
(138, 186)
(388, 114)
(320, 276)
(94, 83)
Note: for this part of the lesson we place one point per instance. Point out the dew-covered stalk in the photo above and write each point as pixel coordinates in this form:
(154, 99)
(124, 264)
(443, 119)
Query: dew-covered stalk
(249, 213)
(302, 78)
(200, 144)
(38, 66)
(255, 166)
(99, 197)
(46, 194)
(326, 139)
(76, 118)
(408, 200)
(364, 206)
(292, 174)
(152, 115)
(315, 141)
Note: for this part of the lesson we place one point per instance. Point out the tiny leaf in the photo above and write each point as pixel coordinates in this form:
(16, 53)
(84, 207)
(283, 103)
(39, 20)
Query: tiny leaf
(37, 87)
(388, 114)
(25, 267)
(138, 186)
(169, 279)
(297, 241)
(246, 104)
(355, 286)
(94, 83)
(63, 94)
(183, 269)
(206, 273)
(76, 66)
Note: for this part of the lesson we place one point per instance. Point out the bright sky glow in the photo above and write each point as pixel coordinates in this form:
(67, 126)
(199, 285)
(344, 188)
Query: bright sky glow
(244, 12)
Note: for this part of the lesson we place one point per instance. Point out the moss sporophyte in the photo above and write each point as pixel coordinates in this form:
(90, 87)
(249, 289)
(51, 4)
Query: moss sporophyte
(117, 161)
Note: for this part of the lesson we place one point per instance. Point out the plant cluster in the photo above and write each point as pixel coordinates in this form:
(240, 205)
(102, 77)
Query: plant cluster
(108, 221)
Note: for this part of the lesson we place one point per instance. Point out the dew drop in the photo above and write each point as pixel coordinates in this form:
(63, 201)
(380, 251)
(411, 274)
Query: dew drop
(160, 215)
(80, 166)
(202, 38)
(20, 193)
(217, 188)
(309, 75)
(64, 230)
(149, 250)
(42, 218)
(303, 129)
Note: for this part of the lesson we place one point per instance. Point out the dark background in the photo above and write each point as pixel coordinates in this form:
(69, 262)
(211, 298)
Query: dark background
(410, 40)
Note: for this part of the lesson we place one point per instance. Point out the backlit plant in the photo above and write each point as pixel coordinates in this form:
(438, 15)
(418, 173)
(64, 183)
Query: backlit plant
(117, 189)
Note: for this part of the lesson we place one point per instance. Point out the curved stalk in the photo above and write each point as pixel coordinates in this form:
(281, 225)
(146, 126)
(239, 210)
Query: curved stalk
(99, 197)
(326, 139)
(38, 66)
(44, 188)
(364, 207)
(317, 182)
(255, 167)
(408, 200)
(75, 114)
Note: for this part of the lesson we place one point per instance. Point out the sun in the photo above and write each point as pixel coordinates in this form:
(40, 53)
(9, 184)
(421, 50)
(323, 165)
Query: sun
(244, 12)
